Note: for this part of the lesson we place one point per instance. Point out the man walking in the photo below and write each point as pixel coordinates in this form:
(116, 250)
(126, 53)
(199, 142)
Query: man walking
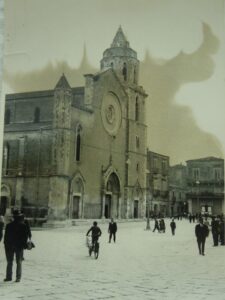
(15, 240)
(201, 232)
(112, 230)
(173, 226)
(156, 226)
(215, 231)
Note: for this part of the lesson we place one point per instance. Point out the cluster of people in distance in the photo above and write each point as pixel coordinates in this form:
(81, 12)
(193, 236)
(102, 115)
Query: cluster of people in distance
(17, 233)
(203, 228)
(217, 228)
(160, 225)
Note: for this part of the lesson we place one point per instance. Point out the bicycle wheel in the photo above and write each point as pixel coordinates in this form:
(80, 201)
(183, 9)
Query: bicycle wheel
(96, 250)
(90, 251)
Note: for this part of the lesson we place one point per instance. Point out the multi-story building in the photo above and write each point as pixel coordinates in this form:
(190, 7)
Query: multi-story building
(157, 183)
(79, 152)
(178, 204)
(205, 183)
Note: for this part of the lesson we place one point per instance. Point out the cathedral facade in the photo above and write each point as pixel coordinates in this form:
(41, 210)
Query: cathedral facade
(79, 152)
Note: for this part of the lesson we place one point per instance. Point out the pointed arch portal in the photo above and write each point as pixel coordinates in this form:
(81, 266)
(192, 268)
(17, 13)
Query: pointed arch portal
(76, 208)
(111, 203)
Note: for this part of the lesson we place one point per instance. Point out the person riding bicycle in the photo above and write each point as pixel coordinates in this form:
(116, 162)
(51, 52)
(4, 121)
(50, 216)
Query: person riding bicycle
(95, 232)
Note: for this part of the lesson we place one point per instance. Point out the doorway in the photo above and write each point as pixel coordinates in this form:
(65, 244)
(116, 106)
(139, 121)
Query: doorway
(75, 207)
(108, 200)
(3, 205)
(135, 209)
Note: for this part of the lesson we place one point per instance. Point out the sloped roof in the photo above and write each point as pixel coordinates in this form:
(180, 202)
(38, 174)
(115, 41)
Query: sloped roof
(120, 40)
(62, 83)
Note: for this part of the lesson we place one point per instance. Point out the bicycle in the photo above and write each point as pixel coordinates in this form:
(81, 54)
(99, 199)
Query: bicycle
(93, 247)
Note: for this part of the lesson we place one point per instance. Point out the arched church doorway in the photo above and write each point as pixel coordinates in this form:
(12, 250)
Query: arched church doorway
(112, 197)
(136, 209)
(4, 200)
(76, 203)
(138, 203)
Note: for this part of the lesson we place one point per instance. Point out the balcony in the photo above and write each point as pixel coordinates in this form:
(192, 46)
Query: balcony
(206, 194)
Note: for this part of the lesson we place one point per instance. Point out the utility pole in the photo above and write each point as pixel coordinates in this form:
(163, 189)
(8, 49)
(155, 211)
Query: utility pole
(148, 207)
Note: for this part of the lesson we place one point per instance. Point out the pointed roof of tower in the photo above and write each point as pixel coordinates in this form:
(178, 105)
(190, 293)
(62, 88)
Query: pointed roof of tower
(120, 39)
(84, 61)
(62, 83)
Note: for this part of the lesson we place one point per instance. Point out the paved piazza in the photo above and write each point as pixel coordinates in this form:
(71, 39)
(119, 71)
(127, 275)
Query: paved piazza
(141, 265)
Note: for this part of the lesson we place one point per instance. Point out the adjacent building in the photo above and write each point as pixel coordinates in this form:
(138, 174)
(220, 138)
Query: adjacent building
(205, 184)
(157, 183)
(178, 204)
(80, 152)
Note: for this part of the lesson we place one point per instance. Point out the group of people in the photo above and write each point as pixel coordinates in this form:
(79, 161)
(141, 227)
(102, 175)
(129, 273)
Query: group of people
(202, 232)
(17, 234)
(160, 225)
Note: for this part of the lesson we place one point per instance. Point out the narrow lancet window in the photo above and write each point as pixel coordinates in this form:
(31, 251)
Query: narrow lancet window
(37, 115)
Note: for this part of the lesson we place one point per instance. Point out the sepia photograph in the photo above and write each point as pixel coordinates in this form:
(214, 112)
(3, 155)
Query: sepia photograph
(112, 143)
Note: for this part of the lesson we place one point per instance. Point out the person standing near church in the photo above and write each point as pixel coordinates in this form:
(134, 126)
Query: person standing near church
(173, 226)
(215, 231)
(201, 232)
(15, 240)
(112, 230)
(1, 227)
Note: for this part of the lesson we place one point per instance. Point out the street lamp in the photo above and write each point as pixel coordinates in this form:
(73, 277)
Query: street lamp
(148, 212)
(197, 183)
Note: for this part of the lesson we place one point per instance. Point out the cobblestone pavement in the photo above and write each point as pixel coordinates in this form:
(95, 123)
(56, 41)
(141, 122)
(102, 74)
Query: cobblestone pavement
(140, 265)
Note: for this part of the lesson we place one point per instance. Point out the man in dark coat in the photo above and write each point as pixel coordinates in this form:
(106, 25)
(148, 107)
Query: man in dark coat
(1, 227)
(215, 231)
(201, 232)
(156, 226)
(15, 240)
(112, 230)
(173, 226)
(221, 231)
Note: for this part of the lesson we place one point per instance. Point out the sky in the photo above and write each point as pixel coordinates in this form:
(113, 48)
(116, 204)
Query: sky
(182, 41)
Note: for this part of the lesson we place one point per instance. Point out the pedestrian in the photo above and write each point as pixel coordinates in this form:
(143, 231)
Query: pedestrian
(173, 226)
(215, 231)
(201, 232)
(162, 226)
(156, 225)
(190, 218)
(1, 227)
(193, 218)
(112, 230)
(221, 231)
(15, 240)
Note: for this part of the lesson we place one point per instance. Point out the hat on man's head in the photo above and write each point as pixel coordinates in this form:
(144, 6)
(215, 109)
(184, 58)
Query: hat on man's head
(17, 213)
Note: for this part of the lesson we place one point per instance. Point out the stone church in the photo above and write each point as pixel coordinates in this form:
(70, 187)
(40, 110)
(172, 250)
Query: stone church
(79, 152)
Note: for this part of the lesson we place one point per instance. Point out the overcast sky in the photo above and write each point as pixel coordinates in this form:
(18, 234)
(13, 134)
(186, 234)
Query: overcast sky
(38, 32)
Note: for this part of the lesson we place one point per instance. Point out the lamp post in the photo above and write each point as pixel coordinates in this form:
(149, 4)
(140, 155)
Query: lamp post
(148, 216)
(197, 183)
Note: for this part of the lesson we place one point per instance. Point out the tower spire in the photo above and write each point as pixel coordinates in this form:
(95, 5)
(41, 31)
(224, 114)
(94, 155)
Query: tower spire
(120, 39)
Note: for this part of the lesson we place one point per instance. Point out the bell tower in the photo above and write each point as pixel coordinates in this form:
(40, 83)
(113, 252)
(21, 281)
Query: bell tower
(124, 62)
(122, 59)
